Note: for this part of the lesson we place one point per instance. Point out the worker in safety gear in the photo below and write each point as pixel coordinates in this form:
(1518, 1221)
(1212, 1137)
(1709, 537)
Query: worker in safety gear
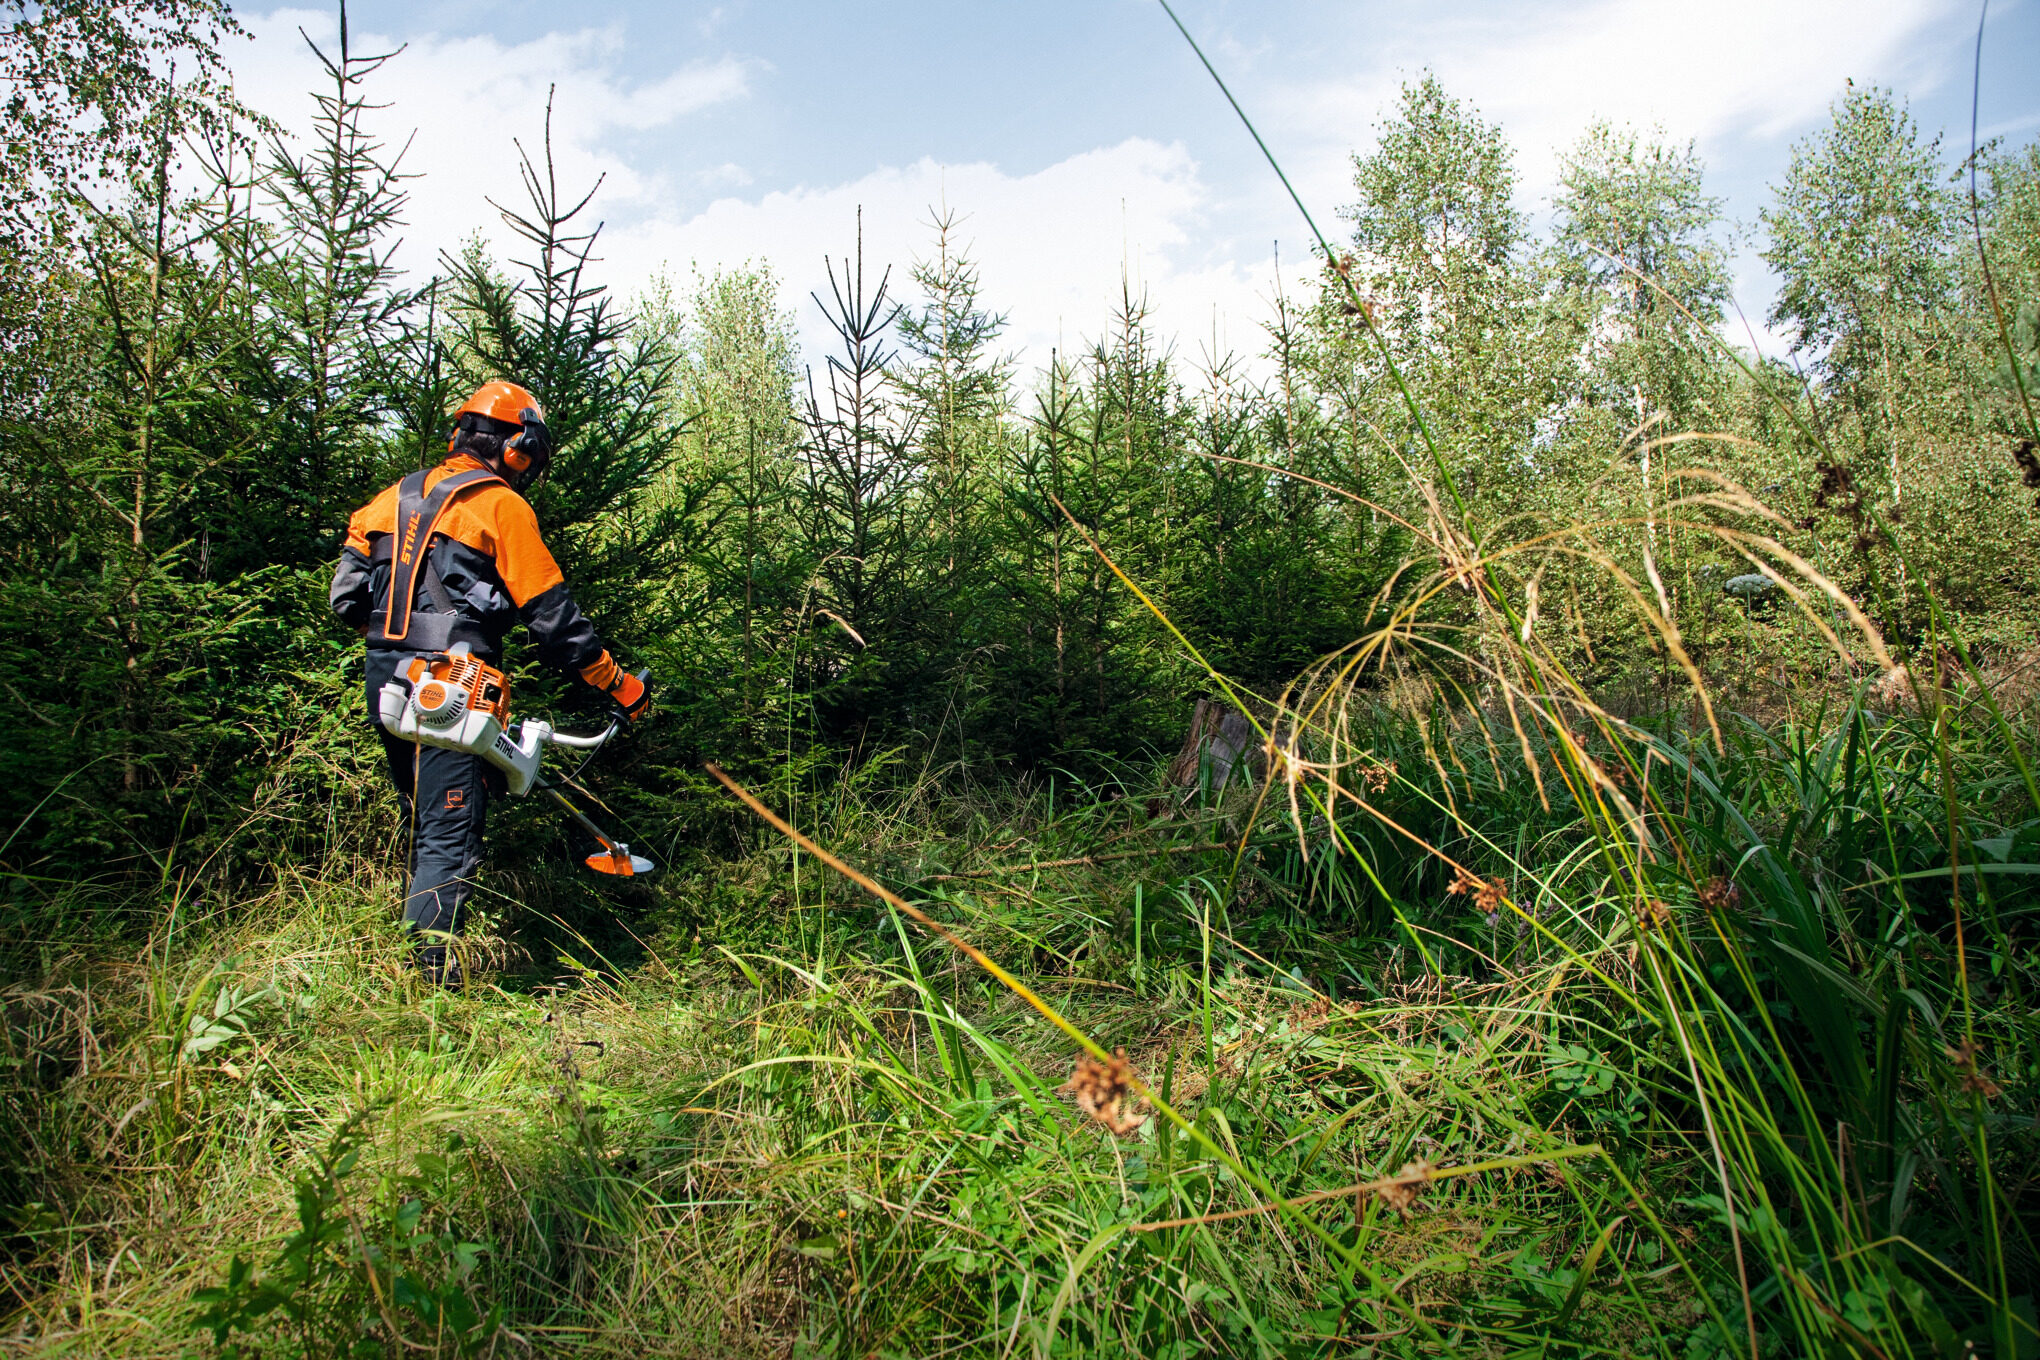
(452, 555)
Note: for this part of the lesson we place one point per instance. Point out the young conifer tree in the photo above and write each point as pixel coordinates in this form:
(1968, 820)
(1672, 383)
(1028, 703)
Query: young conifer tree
(115, 509)
(737, 382)
(606, 386)
(1101, 464)
(330, 304)
(862, 516)
(1040, 556)
(958, 390)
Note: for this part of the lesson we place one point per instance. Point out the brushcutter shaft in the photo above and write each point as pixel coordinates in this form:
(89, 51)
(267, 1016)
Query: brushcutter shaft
(597, 832)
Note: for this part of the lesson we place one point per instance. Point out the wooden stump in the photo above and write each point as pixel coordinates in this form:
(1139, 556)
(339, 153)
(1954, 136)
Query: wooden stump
(1221, 730)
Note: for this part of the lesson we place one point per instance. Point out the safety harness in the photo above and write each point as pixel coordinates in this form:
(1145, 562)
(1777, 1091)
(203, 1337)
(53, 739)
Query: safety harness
(397, 624)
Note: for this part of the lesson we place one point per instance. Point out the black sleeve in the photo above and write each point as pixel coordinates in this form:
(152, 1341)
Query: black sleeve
(566, 639)
(353, 596)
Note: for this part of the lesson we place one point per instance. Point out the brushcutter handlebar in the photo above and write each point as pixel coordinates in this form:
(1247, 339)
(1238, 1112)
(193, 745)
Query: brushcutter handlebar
(588, 743)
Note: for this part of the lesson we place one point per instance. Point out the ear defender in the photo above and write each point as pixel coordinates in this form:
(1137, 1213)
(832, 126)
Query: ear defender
(531, 446)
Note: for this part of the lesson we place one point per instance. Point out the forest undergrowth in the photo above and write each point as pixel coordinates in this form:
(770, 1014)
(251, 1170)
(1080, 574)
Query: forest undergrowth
(1508, 1103)
(1596, 919)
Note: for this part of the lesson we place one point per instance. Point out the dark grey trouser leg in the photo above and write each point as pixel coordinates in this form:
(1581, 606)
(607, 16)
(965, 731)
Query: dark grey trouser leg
(450, 804)
(445, 795)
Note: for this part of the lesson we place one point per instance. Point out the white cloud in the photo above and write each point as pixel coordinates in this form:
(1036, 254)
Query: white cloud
(1703, 71)
(1050, 247)
(728, 175)
(1724, 74)
(465, 103)
(1730, 68)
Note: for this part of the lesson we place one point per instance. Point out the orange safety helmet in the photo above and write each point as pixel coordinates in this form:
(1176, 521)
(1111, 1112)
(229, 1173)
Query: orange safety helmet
(508, 403)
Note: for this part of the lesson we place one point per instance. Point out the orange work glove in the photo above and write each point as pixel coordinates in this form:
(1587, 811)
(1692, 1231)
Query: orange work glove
(632, 695)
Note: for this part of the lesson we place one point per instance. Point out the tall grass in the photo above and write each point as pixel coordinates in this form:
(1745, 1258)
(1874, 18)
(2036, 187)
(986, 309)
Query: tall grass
(1483, 1017)
(717, 1144)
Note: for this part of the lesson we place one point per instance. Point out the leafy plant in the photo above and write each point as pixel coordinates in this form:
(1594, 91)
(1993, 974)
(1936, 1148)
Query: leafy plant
(342, 1284)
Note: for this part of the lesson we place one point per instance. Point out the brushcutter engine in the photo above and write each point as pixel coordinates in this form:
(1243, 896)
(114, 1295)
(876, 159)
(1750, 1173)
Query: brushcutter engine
(459, 702)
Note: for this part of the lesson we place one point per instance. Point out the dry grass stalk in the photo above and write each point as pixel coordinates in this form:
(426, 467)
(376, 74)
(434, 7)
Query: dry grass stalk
(1399, 1192)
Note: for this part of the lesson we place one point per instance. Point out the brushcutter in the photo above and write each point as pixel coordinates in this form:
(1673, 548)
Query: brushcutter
(459, 702)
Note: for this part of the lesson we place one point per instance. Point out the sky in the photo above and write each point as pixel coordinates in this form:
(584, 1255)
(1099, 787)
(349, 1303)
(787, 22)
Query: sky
(1080, 145)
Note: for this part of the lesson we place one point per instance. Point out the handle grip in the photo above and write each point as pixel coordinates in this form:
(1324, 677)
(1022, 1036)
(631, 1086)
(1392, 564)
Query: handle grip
(587, 743)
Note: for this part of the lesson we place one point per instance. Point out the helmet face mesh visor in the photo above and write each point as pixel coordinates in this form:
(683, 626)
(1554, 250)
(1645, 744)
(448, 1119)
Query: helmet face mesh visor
(539, 463)
(475, 423)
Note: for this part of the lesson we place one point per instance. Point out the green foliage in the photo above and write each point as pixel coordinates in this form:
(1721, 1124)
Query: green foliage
(1584, 954)
(93, 94)
(1860, 235)
(344, 1285)
(1638, 258)
(606, 385)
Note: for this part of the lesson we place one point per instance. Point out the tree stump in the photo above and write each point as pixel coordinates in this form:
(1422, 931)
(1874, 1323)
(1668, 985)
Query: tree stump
(1224, 733)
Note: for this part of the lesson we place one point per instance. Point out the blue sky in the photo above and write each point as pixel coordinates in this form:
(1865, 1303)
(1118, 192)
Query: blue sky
(1080, 141)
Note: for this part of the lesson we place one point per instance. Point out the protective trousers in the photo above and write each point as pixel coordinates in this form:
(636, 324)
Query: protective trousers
(445, 796)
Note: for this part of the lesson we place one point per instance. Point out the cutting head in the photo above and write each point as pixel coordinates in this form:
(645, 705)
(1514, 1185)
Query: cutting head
(618, 862)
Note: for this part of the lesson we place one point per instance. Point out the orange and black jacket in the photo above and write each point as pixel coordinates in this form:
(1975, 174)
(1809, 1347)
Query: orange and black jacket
(484, 568)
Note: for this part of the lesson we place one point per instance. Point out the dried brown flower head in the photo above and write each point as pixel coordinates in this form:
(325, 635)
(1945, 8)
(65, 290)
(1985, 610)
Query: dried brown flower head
(1721, 894)
(2023, 453)
(1400, 1192)
(1376, 774)
(1655, 915)
(1487, 893)
(1836, 481)
(1965, 1056)
(1101, 1089)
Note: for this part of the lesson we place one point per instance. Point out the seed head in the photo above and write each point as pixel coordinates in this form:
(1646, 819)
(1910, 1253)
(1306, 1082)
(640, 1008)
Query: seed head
(1965, 1056)
(1400, 1193)
(1376, 774)
(1487, 893)
(1836, 482)
(2024, 454)
(1720, 894)
(1100, 1090)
